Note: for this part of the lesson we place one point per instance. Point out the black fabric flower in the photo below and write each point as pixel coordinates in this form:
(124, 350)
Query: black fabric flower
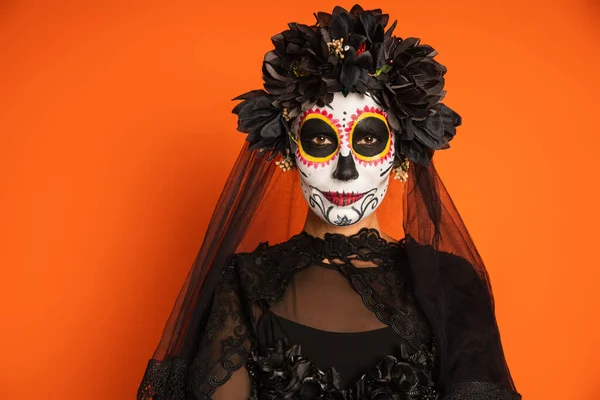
(300, 71)
(419, 137)
(284, 373)
(409, 378)
(262, 121)
(414, 83)
(351, 52)
(362, 36)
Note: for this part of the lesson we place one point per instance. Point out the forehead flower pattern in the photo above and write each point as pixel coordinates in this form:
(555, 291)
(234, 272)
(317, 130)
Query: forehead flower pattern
(350, 52)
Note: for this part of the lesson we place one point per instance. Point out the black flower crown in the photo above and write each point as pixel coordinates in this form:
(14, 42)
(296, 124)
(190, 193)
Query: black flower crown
(350, 52)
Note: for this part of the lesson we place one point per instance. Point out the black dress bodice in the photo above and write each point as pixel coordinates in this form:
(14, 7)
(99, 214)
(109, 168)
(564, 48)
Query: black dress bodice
(350, 353)
(293, 360)
(357, 358)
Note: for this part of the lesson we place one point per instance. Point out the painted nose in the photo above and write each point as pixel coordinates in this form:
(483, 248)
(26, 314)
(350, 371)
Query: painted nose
(345, 169)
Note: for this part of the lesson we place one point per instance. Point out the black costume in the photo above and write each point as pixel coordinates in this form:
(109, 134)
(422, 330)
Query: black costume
(283, 353)
(340, 317)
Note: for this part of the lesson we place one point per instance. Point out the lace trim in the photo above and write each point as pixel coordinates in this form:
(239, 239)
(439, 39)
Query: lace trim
(366, 245)
(163, 380)
(479, 391)
(228, 342)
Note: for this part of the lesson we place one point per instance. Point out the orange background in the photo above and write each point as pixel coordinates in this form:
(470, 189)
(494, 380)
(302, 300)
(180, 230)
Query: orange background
(116, 137)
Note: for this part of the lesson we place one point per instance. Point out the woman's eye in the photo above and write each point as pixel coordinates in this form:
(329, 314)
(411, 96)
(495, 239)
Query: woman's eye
(368, 140)
(321, 140)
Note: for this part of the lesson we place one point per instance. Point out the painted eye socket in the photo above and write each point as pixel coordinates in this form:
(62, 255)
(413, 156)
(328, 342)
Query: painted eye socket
(319, 140)
(370, 136)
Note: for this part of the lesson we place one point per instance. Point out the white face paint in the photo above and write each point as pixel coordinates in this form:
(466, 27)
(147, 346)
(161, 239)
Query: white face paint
(344, 153)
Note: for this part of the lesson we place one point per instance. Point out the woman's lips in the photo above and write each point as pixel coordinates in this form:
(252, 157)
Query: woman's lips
(343, 199)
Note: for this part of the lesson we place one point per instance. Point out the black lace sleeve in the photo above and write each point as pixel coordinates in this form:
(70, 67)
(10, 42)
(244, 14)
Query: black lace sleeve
(459, 305)
(227, 341)
(224, 343)
(476, 368)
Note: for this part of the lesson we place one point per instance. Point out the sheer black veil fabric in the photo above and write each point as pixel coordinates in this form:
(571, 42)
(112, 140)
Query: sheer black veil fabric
(260, 203)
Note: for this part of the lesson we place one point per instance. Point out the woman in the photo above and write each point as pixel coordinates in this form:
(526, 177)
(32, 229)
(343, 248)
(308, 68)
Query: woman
(340, 310)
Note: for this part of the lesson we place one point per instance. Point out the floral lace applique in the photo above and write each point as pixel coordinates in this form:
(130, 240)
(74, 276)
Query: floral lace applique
(284, 373)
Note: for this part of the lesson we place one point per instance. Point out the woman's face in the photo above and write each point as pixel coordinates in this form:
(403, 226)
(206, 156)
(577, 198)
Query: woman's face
(344, 153)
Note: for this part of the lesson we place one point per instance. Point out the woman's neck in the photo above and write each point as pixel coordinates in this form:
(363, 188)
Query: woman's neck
(315, 226)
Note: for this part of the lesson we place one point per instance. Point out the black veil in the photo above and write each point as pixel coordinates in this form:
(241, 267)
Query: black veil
(262, 203)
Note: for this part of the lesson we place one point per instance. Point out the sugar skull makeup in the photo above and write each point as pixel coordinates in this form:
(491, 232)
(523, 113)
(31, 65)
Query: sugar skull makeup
(344, 153)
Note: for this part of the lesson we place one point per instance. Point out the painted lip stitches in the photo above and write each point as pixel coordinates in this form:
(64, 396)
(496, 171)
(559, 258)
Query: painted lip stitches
(343, 199)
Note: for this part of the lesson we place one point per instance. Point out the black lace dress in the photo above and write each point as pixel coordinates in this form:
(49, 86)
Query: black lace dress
(313, 318)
